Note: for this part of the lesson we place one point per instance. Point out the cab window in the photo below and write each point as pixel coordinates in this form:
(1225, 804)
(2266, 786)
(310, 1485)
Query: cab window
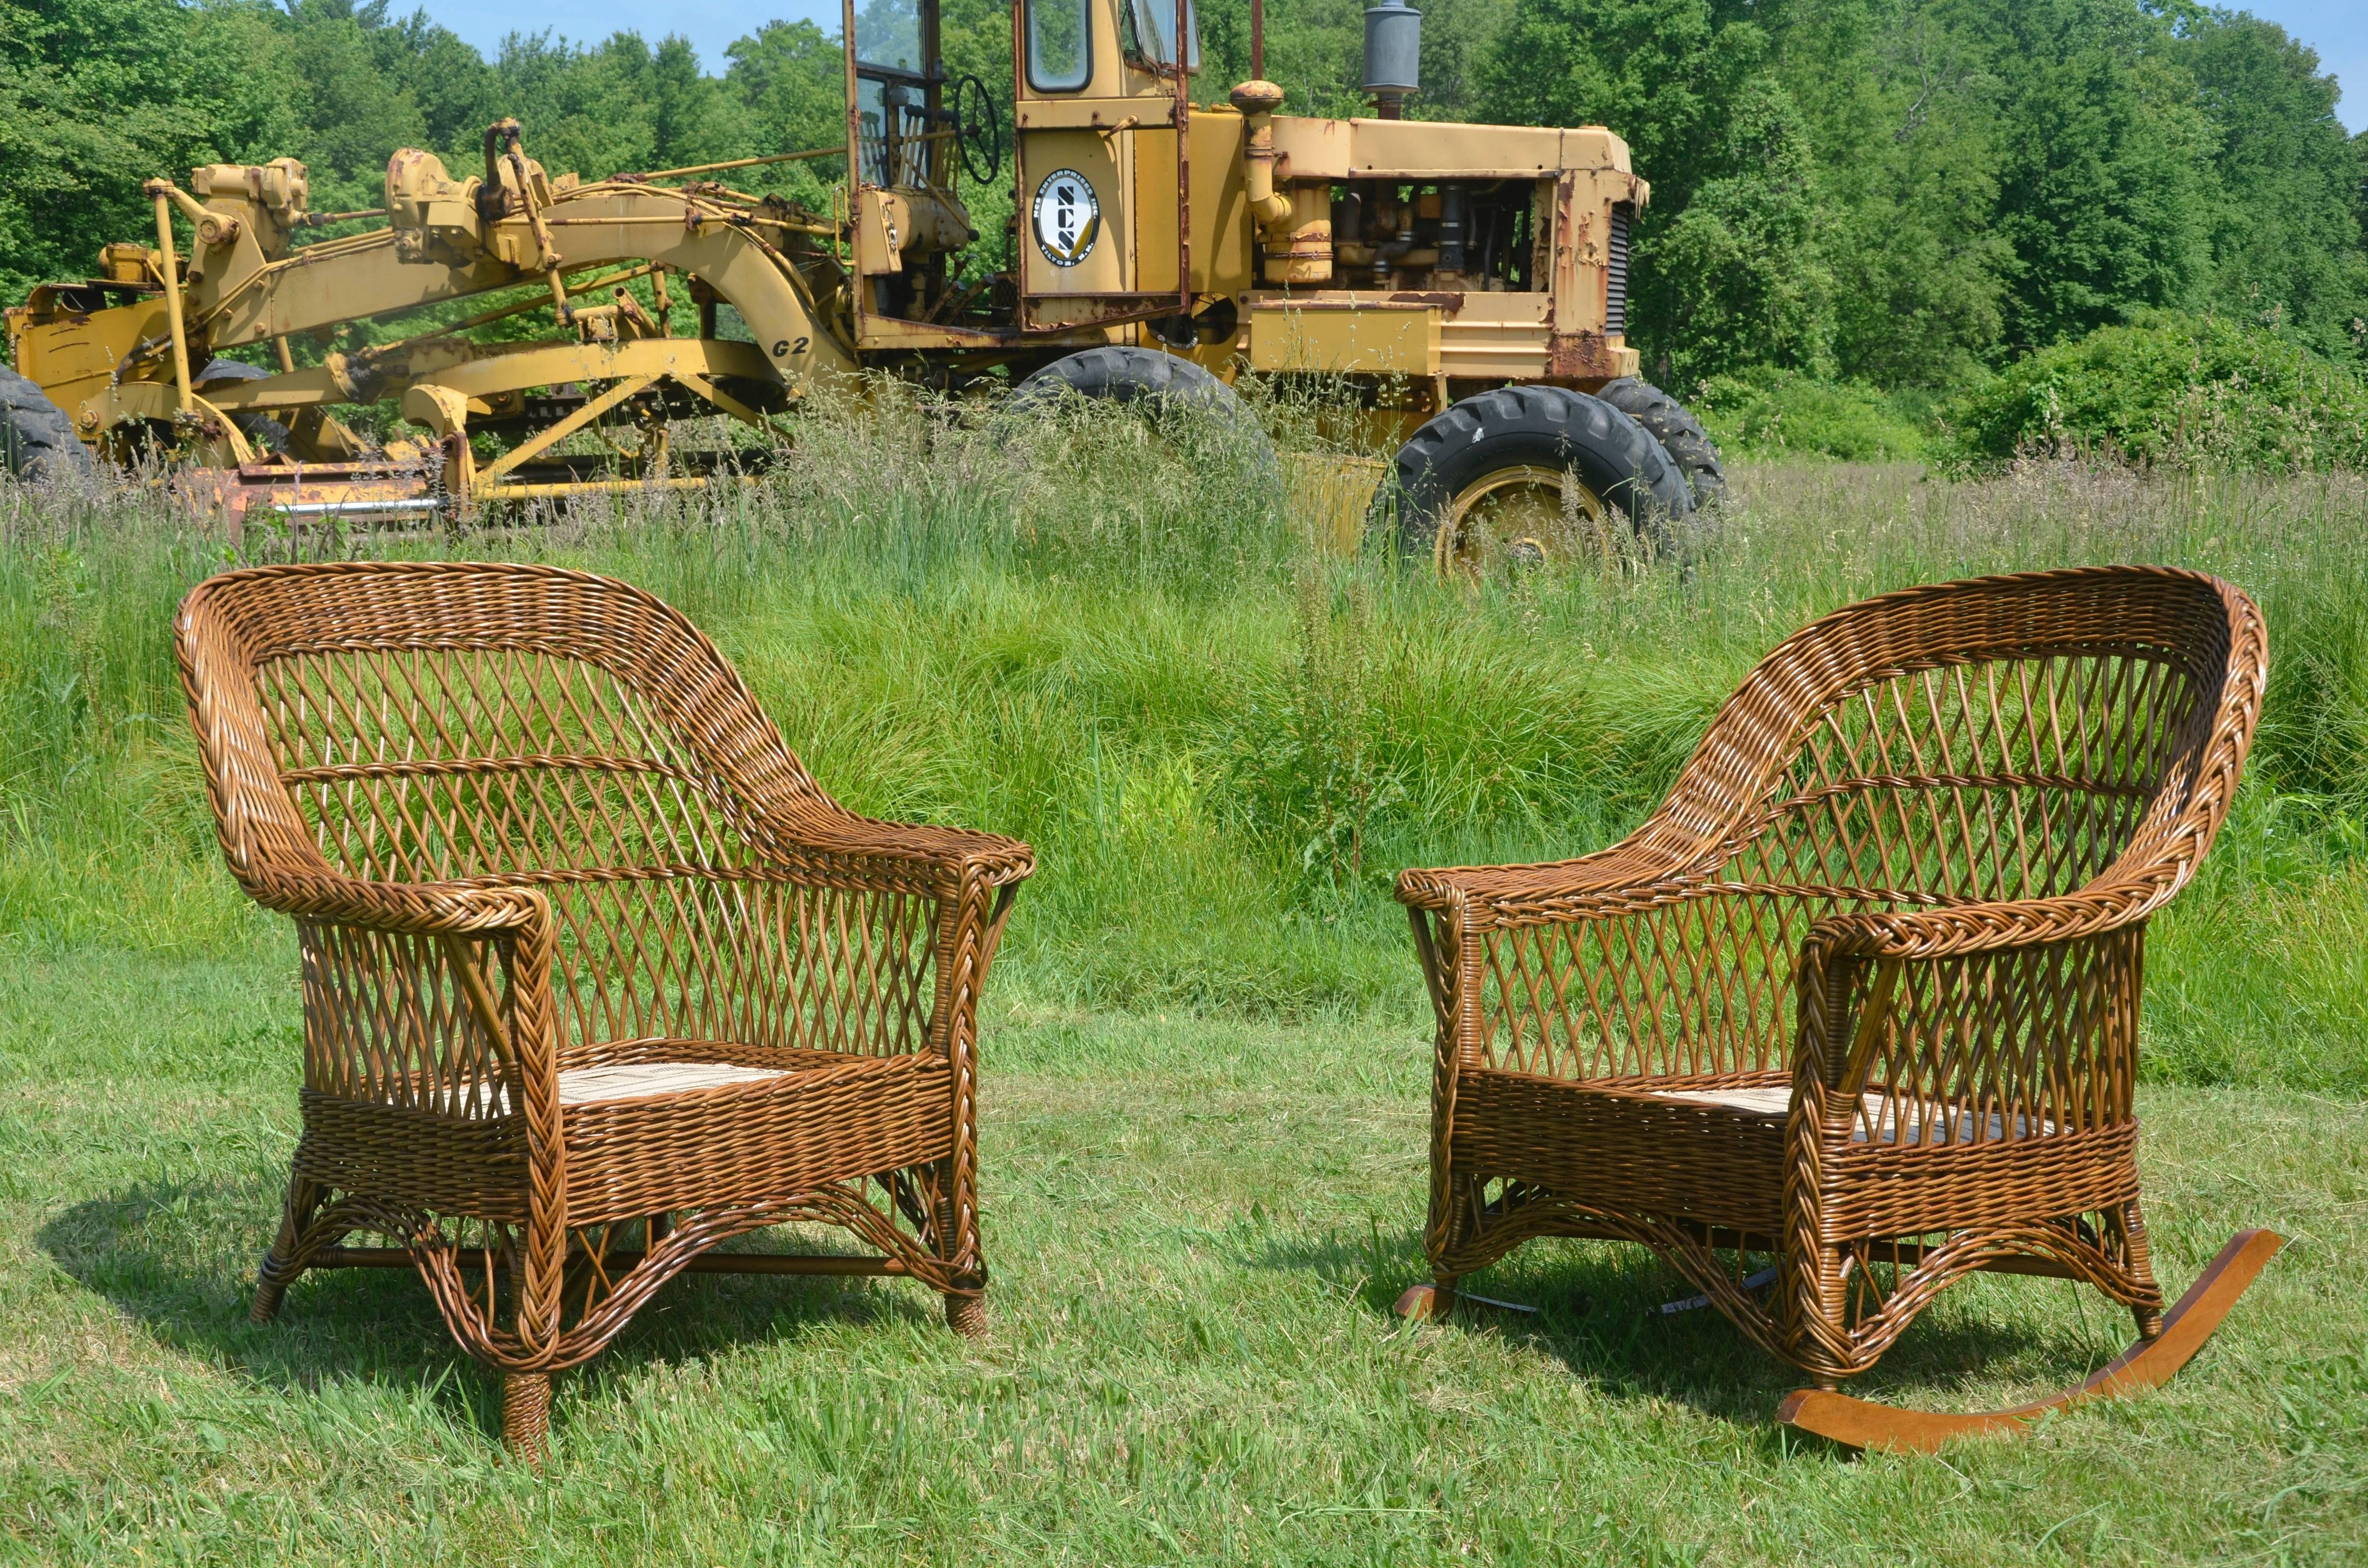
(1143, 30)
(888, 33)
(1060, 45)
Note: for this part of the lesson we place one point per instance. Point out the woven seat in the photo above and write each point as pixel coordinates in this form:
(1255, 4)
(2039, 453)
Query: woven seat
(1860, 1003)
(589, 1085)
(595, 975)
(1881, 1119)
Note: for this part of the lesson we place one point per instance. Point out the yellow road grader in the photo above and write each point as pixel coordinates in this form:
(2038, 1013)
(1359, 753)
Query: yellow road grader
(1469, 283)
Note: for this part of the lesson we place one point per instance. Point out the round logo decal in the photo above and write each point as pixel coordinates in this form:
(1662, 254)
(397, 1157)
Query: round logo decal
(1067, 218)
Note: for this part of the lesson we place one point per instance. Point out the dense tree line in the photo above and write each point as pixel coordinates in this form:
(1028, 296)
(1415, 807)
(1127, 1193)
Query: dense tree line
(1903, 190)
(1905, 193)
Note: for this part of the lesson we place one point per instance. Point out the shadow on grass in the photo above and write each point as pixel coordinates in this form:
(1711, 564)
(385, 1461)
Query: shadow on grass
(1597, 1312)
(181, 1258)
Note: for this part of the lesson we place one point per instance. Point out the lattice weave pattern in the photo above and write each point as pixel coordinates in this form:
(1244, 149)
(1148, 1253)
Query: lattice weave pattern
(531, 824)
(1902, 888)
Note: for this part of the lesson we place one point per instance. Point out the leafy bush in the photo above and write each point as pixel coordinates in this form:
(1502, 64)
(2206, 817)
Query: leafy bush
(1771, 413)
(2192, 390)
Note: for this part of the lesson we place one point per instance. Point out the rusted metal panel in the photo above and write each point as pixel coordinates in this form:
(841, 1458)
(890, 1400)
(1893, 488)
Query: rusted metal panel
(1423, 150)
(1371, 339)
(1587, 356)
(1187, 41)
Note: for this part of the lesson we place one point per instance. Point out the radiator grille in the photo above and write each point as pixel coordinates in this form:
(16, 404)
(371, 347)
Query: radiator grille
(1615, 279)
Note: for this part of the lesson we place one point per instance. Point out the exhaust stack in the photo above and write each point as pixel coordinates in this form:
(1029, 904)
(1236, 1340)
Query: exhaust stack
(1392, 55)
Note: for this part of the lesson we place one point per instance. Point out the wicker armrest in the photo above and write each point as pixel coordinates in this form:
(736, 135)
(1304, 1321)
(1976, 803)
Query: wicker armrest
(2109, 904)
(1628, 875)
(997, 860)
(1857, 1014)
(810, 836)
(460, 923)
(415, 908)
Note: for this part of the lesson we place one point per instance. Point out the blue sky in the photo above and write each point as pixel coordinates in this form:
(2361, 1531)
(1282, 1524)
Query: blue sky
(2337, 28)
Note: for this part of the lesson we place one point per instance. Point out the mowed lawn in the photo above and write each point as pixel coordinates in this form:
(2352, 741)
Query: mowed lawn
(1196, 1229)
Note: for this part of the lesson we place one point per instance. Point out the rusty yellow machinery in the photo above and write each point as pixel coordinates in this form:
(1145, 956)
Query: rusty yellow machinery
(1469, 283)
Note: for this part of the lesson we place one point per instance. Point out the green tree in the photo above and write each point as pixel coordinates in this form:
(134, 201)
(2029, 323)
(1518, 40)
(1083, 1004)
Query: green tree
(99, 95)
(2284, 220)
(1737, 278)
(1902, 113)
(619, 105)
(358, 104)
(789, 74)
(789, 80)
(2103, 190)
(1726, 268)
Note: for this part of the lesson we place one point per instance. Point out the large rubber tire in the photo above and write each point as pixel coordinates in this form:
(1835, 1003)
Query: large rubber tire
(1538, 427)
(37, 439)
(1126, 375)
(261, 430)
(1682, 436)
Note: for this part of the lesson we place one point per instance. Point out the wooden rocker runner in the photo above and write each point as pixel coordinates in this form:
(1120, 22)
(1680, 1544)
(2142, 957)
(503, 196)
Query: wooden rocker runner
(595, 975)
(1855, 1014)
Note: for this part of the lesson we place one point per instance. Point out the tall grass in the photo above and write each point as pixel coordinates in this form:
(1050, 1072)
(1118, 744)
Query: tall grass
(1224, 740)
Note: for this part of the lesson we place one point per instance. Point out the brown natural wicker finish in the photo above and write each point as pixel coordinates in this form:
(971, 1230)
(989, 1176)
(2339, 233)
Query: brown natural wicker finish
(1862, 997)
(595, 975)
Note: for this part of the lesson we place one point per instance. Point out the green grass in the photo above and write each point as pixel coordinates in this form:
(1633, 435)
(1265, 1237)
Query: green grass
(1206, 1057)
(1196, 1226)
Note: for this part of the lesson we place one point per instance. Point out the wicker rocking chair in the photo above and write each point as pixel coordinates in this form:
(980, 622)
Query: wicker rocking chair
(595, 975)
(1855, 1012)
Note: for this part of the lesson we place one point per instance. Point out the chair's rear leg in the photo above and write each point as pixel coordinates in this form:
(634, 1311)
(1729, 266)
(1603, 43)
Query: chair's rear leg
(526, 1415)
(280, 1268)
(966, 1314)
(2137, 1258)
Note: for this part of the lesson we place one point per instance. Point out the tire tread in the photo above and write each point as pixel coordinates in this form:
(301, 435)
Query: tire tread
(1528, 422)
(1673, 426)
(37, 438)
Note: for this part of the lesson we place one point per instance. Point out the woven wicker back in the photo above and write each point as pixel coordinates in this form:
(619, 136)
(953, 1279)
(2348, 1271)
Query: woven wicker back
(524, 726)
(448, 722)
(1997, 739)
(1960, 746)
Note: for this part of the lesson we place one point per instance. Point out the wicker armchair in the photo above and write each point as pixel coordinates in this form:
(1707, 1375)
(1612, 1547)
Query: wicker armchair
(1855, 1012)
(595, 975)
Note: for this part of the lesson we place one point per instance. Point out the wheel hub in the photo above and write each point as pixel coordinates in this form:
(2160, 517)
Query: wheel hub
(1517, 518)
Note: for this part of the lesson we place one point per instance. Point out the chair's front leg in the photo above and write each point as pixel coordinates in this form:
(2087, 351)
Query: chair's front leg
(285, 1259)
(528, 1036)
(954, 1221)
(1452, 973)
(1816, 1297)
(958, 1246)
(1835, 1016)
(526, 1395)
(526, 1415)
(970, 927)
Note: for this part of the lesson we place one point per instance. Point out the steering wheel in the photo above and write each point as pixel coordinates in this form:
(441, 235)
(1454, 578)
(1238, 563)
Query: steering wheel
(978, 130)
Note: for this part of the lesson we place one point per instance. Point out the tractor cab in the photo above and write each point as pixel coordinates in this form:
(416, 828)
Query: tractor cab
(1099, 163)
(904, 216)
